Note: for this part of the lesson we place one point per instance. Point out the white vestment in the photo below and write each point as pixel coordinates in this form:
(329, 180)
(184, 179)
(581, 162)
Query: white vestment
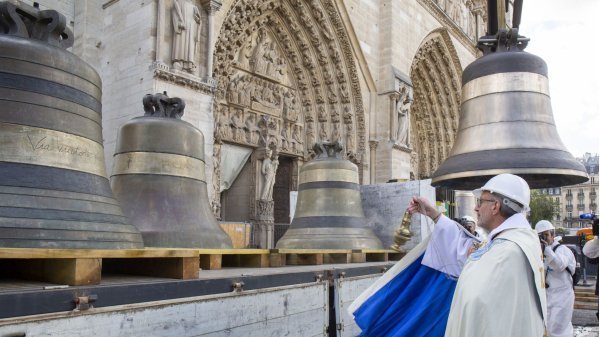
(501, 291)
(449, 247)
(560, 289)
(591, 248)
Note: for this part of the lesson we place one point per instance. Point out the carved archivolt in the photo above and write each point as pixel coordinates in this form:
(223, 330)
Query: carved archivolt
(287, 79)
(465, 19)
(436, 74)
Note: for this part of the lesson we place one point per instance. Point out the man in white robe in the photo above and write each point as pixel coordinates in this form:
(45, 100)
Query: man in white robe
(559, 263)
(500, 291)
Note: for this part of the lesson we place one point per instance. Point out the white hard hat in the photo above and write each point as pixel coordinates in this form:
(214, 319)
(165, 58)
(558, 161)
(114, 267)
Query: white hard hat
(543, 225)
(510, 186)
(467, 218)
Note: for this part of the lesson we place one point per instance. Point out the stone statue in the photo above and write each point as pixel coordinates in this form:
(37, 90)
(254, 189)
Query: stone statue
(350, 138)
(237, 122)
(253, 132)
(298, 139)
(323, 133)
(310, 135)
(403, 108)
(335, 133)
(222, 129)
(268, 170)
(186, 34)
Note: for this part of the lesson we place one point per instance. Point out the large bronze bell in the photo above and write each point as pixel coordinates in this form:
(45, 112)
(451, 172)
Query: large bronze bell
(329, 212)
(506, 122)
(158, 175)
(54, 192)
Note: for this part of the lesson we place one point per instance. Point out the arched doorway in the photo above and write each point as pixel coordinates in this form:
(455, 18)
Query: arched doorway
(286, 79)
(436, 76)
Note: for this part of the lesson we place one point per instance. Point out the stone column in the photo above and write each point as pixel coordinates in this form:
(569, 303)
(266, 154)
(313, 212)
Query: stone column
(211, 7)
(372, 156)
(393, 115)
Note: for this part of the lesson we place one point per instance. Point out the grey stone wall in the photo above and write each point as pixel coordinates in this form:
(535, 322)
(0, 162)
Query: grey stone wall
(384, 206)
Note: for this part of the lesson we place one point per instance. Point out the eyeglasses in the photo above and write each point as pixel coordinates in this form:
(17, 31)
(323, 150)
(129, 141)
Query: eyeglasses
(479, 201)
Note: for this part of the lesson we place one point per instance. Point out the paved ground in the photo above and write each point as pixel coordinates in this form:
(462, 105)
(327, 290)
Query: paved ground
(585, 322)
(586, 331)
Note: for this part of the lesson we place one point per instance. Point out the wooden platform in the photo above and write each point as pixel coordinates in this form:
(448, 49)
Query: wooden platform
(211, 259)
(86, 266)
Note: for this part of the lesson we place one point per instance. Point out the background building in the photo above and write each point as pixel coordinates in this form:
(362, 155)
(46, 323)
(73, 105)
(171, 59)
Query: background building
(577, 199)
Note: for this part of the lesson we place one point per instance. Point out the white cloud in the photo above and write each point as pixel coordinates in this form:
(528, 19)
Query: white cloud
(564, 34)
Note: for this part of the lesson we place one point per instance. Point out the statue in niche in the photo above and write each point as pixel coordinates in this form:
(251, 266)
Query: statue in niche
(402, 109)
(454, 11)
(335, 113)
(268, 170)
(323, 132)
(344, 95)
(263, 53)
(297, 137)
(222, 130)
(349, 138)
(272, 131)
(335, 133)
(331, 95)
(232, 91)
(186, 34)
(253, 131)
(310, 135)
(347, 114)
(246, 53)
(247, 91)
(322, 113)
(290, 108)
(237, 123)
(285, 137)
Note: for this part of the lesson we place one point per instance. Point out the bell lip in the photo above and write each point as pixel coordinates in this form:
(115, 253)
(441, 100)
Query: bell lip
(470, 180)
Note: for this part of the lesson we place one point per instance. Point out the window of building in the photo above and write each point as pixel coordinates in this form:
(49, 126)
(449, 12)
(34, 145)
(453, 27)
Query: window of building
(569, 215)
(557, 191)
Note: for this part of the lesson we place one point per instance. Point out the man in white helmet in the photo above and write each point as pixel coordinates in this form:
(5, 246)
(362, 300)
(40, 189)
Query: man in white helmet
(500, 290)
(469, 224)
(559, 263)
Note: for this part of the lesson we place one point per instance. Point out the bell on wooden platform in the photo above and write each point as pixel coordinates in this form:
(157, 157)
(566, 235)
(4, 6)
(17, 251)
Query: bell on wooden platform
(158, 176)
(506, 123)
(329, 213)
(54, 192)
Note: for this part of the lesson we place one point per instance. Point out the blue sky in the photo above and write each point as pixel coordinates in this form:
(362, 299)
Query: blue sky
(565, 34)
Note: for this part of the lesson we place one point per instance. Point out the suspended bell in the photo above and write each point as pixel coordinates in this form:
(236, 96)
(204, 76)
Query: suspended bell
(506, 123)
(329, 212)
(54, 192)
(158, 176)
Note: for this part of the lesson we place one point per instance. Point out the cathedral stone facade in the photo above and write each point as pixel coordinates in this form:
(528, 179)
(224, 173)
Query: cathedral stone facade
(266, 79)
